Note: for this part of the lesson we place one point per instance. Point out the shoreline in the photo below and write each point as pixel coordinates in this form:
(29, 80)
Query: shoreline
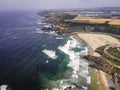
(91, 51)
(102, 79)
(98, 75)
(87, 38)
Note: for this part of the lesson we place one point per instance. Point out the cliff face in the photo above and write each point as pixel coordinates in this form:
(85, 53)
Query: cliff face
(69, 25)
(103, 65)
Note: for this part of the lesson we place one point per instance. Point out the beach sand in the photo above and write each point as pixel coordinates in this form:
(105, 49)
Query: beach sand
(95, 41)
(102, 79)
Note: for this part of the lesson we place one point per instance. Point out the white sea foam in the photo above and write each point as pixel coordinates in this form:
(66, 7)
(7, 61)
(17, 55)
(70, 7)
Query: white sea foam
(3, 87)
(39, 23)
(64, 87)
(48, 32)
(53, 33)
(84, 88)
(59, 37)
(80, 72)
(38, 30)
(50, 53)
(74, 63)
(79, 66)
(88, 79)
(47, 61)
(85, 51)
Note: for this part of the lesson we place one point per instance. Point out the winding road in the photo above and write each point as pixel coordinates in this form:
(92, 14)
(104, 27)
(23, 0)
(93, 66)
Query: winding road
(108, 54)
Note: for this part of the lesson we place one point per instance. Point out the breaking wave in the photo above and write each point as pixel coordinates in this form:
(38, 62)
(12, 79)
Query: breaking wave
(50, 53)
(80, 66)
(38, 30)
(3, 87)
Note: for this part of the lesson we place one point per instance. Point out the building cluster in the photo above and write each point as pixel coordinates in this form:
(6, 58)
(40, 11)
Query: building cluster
(99, 14)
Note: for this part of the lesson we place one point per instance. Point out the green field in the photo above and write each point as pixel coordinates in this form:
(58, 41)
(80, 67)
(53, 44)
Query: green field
(112, 51)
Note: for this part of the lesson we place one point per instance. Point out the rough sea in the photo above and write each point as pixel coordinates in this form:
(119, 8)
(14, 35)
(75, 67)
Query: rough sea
(34, 59)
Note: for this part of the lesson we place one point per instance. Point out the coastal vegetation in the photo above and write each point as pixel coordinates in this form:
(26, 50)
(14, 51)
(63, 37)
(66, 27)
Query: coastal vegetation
(113, 51)
(107, 64)
(56, 17)
(102, 64)
(87, 27)
(68, 22)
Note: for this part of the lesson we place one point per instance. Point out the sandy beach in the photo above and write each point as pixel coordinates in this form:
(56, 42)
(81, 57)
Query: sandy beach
(102, 79)
(95, 41)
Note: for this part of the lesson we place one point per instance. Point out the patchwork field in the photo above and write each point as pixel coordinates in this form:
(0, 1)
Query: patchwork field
(97, 20)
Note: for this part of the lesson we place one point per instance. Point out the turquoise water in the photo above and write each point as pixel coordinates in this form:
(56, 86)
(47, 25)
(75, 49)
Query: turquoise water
(24, 65)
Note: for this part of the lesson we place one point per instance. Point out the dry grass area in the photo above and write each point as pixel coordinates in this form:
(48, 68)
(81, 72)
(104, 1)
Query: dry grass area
(98, 20)
(115, 22)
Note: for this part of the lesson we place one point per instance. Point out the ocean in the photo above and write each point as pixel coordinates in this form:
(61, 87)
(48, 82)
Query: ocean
(34, 59)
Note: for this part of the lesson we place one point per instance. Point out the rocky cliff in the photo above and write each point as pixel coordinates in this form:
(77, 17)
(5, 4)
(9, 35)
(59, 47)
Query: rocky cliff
(101, 64)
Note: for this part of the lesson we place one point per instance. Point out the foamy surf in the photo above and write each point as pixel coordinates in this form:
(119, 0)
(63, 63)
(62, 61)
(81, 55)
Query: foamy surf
(59, 38)
(3, 87)
(79, 66)
(50, 53)
(38, 30)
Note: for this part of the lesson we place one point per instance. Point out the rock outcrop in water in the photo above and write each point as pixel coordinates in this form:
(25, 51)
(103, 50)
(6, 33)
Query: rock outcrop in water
(70, 88)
